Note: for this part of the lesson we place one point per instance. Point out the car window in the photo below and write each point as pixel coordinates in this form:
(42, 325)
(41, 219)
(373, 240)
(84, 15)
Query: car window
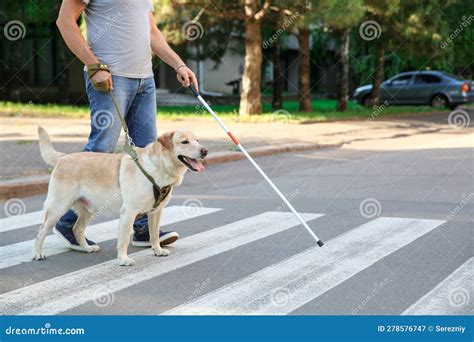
(427, 78)
(401, 80)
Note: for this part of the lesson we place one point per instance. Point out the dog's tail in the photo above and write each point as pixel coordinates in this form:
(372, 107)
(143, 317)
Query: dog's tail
(48, 153)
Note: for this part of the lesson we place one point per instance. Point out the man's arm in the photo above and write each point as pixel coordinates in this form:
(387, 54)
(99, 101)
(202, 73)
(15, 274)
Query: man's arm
(67, 23)
(161, 48)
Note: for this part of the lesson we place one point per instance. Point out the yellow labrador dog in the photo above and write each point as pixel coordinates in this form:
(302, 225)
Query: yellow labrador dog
(106, 183)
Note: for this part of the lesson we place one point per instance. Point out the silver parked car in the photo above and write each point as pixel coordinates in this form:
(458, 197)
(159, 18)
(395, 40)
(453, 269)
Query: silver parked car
(435, 88)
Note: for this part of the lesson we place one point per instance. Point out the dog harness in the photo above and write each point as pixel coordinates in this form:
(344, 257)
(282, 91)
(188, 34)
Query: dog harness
(159, 193)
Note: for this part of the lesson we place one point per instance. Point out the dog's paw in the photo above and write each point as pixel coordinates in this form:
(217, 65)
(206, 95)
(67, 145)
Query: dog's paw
(93, 249)
(161, 252)
(126, 261)
(39, 256)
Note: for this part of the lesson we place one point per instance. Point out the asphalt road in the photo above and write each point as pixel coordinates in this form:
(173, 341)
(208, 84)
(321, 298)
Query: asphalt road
(396, 216)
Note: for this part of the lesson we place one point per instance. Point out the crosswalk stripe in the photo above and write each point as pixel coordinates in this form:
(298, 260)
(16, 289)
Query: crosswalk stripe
(59, 294)
(282, 288)
(20, 221)
(452, 296)
(14, 254)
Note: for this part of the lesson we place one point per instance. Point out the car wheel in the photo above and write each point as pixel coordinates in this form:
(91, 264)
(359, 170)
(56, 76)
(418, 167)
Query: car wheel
(439, 101)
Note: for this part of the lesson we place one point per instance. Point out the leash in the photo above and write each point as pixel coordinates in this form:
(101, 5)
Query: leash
(159, 193)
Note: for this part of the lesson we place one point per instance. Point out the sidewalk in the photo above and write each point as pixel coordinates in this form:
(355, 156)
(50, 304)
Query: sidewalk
(21, 160)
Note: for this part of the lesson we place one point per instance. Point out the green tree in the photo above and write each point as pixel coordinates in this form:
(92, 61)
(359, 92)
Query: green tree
(192, 31)
(28, 14)
(341, 16)
(293, 19)
(252, 13)
(379, 15)
(456, 44)
(411, 30)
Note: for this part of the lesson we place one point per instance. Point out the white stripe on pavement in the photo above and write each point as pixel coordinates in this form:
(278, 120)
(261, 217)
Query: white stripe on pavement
(20, 221)
(453, 296)
(59, 294)
(282, 288)
(14, 254)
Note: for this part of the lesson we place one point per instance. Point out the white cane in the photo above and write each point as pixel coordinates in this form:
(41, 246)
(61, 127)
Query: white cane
(249, 157)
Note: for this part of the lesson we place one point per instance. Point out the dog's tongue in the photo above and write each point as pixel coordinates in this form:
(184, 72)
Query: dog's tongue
(196, 164)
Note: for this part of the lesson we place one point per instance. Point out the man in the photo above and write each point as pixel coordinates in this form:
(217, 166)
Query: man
(121, 36)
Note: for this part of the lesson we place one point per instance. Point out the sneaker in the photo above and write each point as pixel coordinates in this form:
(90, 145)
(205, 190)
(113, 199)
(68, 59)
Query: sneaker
(68, 236)
(143, 239)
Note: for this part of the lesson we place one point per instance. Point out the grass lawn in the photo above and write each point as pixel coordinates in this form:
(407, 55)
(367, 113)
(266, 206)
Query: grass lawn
(323, 110)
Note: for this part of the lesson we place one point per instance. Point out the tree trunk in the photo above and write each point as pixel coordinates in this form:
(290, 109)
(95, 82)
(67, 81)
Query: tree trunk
(304, 76)
(250, 97)
(343, 86)
(378, 74)
(277, 101)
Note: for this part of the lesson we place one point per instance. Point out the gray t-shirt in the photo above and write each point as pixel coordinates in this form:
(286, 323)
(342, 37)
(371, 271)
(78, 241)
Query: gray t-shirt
(118, 32)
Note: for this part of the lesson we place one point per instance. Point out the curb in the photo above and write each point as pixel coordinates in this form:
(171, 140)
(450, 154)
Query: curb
(35, 185)
(23, 187)
(224, 157)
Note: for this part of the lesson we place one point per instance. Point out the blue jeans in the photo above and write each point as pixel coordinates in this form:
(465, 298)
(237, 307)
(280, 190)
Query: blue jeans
(136, 99)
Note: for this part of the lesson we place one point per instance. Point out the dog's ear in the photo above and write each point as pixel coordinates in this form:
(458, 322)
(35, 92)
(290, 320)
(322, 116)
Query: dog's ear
(166, 140)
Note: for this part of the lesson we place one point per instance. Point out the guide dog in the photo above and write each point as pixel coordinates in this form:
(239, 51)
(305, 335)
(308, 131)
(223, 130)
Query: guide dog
(106, 183)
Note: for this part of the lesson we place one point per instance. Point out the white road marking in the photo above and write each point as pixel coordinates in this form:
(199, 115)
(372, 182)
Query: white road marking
(452, 296)
(14, 254)
(282, 288)
(59, 294)
(21, 221)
